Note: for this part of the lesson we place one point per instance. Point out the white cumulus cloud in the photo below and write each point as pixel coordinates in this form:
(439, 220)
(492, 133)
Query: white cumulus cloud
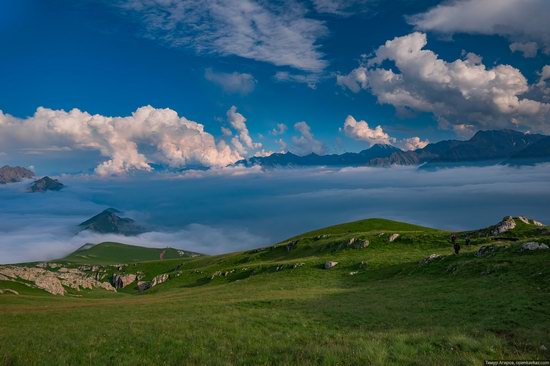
(461, 92)
(128, 143)
(360, 130)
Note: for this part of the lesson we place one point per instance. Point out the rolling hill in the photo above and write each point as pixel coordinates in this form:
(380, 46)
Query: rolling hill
(393, 294)
(114, 253)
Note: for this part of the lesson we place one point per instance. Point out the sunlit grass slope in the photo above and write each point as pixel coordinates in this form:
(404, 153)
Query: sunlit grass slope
(380, 305)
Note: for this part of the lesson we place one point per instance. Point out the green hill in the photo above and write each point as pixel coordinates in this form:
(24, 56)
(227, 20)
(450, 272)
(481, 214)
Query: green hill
(399, 300)
(115, 253)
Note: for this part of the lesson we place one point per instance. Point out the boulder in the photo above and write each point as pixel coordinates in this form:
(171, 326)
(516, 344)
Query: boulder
(330, 264)
(358, 243)
(533, 245)
(537, 223)
(393, 237)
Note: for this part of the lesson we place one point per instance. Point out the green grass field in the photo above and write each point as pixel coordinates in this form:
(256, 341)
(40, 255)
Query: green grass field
(272, 306)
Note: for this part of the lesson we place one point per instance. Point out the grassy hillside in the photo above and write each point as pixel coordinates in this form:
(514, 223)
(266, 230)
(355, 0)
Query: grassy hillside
(380, 305)
(115, 253)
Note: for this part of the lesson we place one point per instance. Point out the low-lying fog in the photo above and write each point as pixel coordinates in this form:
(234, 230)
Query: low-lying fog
(236, 209)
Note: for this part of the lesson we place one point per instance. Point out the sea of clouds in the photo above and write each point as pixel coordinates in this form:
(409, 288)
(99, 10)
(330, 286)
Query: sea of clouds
(234, 209)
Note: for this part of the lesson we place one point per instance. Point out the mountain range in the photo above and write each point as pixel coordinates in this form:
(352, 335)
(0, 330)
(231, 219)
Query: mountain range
(494, 145)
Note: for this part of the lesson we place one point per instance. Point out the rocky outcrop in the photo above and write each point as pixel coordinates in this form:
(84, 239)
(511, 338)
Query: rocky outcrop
(119, 281)
(505, 225)
(533, 245)
(9, 174)
(46, 184)
(330, 264)
(143, 285)
(161, 278)
(54, 282)
(393, 237)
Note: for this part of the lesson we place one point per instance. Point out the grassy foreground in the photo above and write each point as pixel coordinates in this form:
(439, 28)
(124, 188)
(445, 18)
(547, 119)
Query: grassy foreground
(380, 305)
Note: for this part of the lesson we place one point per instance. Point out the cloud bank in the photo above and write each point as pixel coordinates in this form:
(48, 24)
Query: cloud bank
(212, 213)
(129, 143)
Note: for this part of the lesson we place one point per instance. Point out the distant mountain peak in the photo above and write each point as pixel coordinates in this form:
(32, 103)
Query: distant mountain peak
(46, 184)
(14, 174)
(109, 222)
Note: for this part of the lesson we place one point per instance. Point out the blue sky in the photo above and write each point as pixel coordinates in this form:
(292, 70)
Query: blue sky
(472, 65)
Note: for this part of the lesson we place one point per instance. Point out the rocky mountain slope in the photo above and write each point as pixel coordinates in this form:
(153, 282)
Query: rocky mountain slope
(9, 174)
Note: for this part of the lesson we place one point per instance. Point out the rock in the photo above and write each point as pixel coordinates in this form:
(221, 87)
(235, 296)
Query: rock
(161, 278)
(524, 219)
(533, 246)
(430, 258)
(3, 278)
(297, 265)
(54, 282)
(357, 243)
(393, 237)
(50, 284)
(543, 347)
(330, 264)
(537, 223)
(505, 225)
(121, 281)
(143, 285)
(353, 273)
(363, 264)
(319, 237)
(486, 250)
(8, 291)
(46, 184)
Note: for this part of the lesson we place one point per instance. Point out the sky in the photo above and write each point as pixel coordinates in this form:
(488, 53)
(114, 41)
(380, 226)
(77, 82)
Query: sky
(236, 209)
(116, 87)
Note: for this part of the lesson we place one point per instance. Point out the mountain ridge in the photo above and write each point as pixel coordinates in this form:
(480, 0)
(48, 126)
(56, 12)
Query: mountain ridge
(498, 145)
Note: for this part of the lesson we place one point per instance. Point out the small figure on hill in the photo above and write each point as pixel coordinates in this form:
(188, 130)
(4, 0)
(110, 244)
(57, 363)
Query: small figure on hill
(456, 246)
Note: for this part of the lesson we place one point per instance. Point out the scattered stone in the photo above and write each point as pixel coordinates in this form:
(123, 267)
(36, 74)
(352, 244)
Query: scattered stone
(297, 265)
(430, 258)
(505, 225)
(486, 250)
(319, 237)
(533, 245)
(537, 223)
(353, 273)
(330, 264)
(393, 237)
(8, 291)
